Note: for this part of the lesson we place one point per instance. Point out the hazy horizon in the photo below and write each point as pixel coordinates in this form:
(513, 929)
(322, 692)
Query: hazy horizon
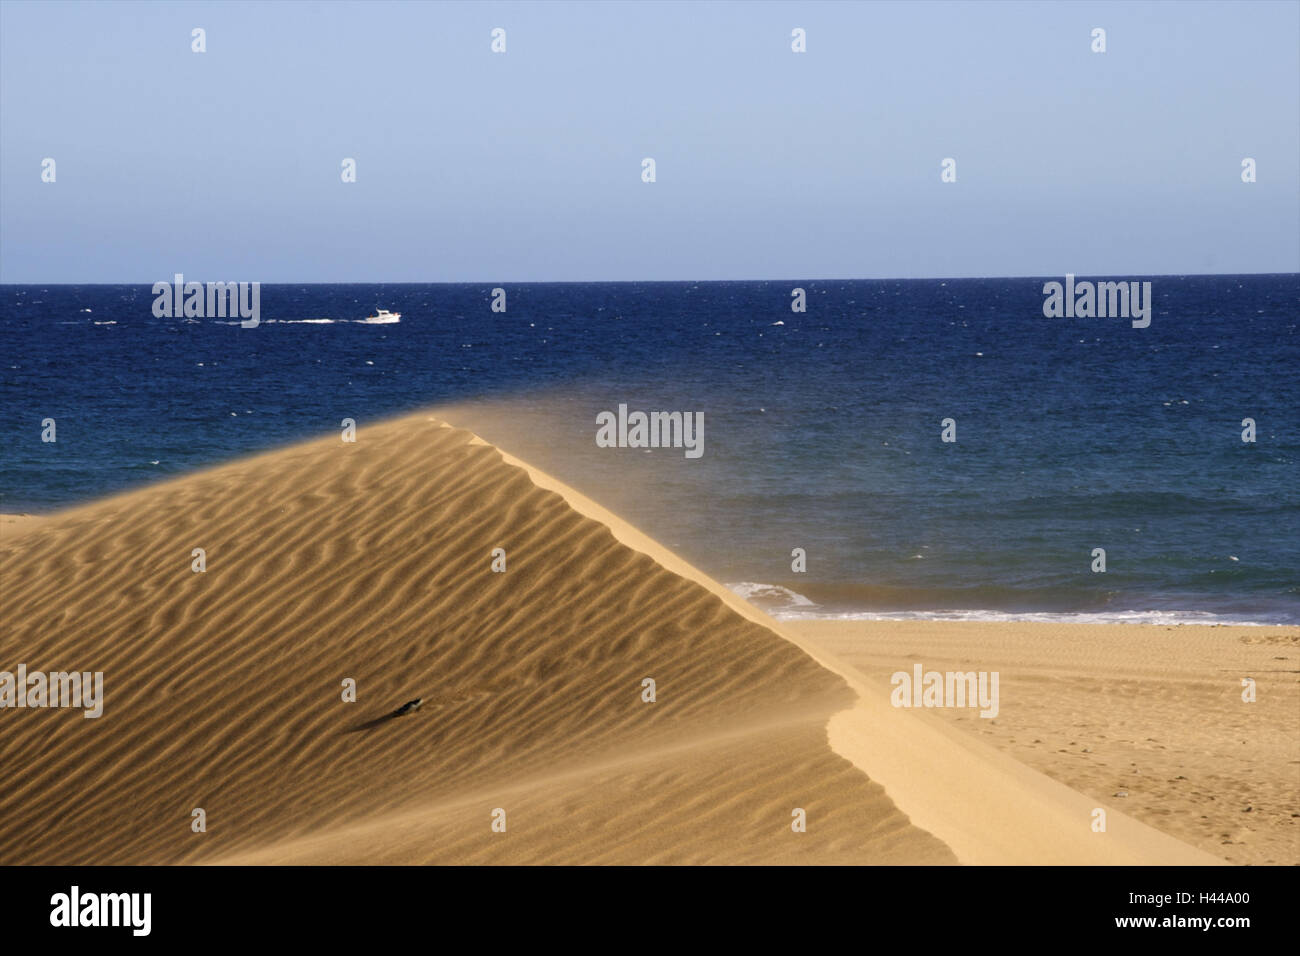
(499, 281)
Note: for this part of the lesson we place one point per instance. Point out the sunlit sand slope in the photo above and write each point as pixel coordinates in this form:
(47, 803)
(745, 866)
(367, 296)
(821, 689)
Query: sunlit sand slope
(373, 561)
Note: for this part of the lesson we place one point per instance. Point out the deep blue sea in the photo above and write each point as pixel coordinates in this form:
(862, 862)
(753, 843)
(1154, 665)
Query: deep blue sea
(822, 429)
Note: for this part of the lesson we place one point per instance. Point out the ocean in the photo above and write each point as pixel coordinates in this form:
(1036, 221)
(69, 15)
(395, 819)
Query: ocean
(822, 428)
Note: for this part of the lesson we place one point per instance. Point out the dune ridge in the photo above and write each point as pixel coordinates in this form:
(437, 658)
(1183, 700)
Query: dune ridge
(372, 561)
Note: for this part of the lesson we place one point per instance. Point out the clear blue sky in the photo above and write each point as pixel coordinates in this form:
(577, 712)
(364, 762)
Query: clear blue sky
(526, 166)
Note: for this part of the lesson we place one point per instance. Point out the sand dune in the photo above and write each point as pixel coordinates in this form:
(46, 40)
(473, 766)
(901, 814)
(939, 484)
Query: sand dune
(372, 561)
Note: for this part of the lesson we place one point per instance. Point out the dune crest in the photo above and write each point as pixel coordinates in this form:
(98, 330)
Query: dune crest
(372, 561)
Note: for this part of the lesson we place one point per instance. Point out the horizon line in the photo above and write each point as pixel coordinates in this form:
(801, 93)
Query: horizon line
(783, 279)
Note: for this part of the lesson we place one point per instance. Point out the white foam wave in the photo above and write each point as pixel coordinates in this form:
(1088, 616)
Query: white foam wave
(1168, 618)
(771, 596)
(787, 605)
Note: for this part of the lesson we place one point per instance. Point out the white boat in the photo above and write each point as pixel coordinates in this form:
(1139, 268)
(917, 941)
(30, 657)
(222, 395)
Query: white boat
(383, 317)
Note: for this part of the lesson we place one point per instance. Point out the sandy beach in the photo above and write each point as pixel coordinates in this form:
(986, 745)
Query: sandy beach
(1149, 720)
(537, 740)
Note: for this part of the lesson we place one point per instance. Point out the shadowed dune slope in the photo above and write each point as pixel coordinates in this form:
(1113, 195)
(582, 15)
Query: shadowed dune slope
(372, 561)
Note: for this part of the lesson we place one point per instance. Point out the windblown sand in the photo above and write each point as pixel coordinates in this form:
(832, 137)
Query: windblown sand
(372, 561)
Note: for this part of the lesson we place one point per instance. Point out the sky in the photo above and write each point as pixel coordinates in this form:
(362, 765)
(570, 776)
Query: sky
(527, 165)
